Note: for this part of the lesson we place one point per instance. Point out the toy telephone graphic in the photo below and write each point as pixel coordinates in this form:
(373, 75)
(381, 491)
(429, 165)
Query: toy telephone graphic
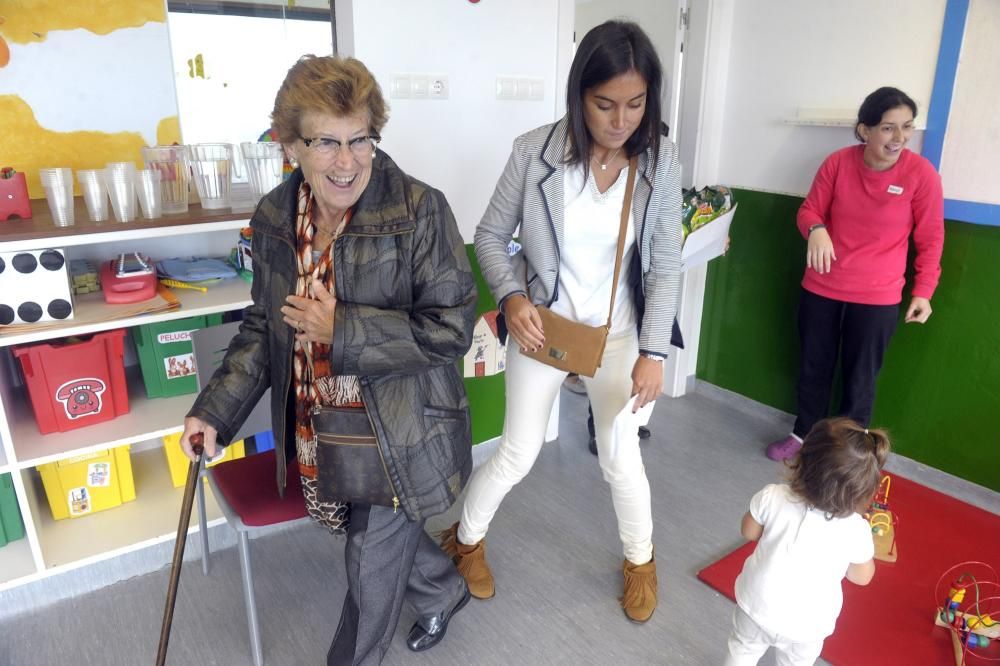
(130, 278)
(81, 396)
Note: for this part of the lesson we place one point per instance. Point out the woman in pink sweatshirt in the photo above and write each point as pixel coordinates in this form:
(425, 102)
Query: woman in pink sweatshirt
(864, 205)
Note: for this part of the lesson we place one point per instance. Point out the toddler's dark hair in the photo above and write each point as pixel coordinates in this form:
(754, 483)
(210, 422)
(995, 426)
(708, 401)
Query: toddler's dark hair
(839, 466)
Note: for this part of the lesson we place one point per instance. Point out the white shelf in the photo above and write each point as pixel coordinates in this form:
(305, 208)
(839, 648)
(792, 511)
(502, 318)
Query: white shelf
(232, 294)
(147, 418)
(132, 232)
(149, 519)
(16, 561)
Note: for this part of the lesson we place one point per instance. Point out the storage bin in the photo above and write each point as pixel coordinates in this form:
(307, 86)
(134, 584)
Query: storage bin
(88, 483)
(166, 355)
(263, 441)
(178, 462)
(75, 382)
(11, 527)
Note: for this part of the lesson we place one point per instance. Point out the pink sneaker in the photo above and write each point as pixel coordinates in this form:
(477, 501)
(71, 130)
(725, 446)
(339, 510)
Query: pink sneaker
(783, 449)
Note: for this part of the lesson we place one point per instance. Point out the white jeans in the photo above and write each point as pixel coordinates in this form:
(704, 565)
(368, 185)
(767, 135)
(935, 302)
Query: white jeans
(532, 388)
(748, 642)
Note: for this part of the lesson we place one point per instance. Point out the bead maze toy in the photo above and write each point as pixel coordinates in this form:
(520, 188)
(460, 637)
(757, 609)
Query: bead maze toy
(883, 523)
(972, 596)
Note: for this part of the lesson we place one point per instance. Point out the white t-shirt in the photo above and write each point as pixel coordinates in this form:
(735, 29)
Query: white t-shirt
(791, 584)
(587, 258)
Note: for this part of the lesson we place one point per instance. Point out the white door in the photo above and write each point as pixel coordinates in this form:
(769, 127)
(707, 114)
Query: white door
(661, 20)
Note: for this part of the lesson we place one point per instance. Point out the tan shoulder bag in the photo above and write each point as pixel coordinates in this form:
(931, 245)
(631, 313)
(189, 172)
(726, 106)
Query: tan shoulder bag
(570, 345)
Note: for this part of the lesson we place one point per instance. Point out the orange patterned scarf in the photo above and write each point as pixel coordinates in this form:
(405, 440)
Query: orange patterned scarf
(313, 382)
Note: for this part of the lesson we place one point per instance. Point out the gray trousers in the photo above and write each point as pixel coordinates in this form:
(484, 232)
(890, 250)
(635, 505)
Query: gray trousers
(389, 559)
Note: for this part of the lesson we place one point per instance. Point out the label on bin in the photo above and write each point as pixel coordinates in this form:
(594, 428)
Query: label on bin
(173, 336)
(79, 501)
(81, 397)
(99, 475)
(179, 366)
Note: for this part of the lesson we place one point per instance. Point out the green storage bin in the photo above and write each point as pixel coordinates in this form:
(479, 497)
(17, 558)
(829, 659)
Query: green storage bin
(11, 527)
(166, 354)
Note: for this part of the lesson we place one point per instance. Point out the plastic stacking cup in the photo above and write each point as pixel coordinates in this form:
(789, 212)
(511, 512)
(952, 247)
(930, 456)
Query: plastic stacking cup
(175, 175)
(58, 186)
(147, 186)
(213, 165)
(95, 193)
(121, 188)
(264, 161)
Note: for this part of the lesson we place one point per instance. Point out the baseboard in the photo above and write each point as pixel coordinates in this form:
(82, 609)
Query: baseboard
(939, 480)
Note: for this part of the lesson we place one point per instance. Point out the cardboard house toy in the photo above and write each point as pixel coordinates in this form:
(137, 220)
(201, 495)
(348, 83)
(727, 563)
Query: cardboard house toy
(487, 356)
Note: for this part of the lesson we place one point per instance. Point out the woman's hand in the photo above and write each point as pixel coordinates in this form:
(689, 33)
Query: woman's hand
(194, 425)
(919, 310)
(523, 322)
(312, 318)
(647, 381)
(819, 252)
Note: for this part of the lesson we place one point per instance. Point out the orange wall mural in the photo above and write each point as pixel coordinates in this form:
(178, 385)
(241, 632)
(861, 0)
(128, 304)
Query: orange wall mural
(107, 91)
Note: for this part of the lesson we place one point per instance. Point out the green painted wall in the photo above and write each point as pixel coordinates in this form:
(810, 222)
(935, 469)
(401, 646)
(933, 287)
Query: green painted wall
(939, 390)
(486, 394)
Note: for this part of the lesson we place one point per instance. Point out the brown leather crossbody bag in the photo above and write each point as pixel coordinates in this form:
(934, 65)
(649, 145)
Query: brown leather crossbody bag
(570, 345)
(349, 463)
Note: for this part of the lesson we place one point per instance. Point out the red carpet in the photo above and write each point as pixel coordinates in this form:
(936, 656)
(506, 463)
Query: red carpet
(891, 621)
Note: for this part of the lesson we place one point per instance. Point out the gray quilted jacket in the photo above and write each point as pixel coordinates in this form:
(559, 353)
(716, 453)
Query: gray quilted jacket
(529, 194)
(405, 312)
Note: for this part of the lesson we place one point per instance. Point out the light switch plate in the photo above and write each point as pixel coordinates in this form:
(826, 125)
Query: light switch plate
(401, 86)
(421, 85)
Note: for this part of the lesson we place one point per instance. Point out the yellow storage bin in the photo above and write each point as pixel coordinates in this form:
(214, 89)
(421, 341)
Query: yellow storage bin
(178, 462)
(88, 483)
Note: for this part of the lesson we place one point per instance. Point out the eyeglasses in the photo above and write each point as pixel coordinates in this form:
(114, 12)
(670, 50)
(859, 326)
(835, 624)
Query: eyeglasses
(361, 146)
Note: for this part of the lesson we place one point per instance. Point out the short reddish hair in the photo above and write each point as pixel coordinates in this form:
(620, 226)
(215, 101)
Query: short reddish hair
(327, 84)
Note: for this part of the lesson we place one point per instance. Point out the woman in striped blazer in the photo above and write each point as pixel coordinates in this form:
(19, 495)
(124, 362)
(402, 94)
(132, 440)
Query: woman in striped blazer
(564, 186)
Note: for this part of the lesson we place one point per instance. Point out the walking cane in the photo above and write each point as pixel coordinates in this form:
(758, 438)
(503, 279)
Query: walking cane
(197, 445)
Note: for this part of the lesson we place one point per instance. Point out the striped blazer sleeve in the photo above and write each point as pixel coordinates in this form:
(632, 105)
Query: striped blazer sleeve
(662, 279)
(496, 229)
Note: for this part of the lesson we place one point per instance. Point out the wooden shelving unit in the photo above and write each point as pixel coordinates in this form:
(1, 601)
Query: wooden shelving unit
(54, 546)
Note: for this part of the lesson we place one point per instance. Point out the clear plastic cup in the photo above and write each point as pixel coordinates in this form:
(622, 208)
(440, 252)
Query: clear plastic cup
(264, 161)
(58, 186)
(147, 186)
(213, 165)
(95, 193)
(175, 175)
(121, 189)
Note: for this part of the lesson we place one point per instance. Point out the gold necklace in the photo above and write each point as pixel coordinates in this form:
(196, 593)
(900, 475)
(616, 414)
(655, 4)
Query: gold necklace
(604, 167)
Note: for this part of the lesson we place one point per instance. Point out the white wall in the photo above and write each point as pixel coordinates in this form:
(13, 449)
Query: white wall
(461, 144)
(786, 54)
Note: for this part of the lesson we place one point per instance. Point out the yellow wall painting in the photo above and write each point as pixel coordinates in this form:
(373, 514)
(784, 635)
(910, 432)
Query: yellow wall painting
(38, 147)
(27, 21)
(73, 43)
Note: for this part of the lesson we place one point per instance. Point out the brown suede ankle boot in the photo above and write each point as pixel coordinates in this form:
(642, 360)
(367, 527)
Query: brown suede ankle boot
(639, 599)
(470, 561)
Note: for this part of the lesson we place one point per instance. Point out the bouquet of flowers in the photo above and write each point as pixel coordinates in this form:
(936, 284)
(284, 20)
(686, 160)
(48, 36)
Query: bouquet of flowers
(702, 206)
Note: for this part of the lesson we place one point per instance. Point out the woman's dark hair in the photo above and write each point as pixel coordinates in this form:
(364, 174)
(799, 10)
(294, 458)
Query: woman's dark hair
(839, 466)
(877, 103)
(609, 50)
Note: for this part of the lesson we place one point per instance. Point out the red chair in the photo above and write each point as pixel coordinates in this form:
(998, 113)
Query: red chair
(246, 493)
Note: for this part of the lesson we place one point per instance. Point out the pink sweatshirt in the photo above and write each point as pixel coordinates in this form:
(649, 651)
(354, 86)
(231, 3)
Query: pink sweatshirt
(870, 216)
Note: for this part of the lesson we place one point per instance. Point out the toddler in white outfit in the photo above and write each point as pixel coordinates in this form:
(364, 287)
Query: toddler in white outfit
(810, 536)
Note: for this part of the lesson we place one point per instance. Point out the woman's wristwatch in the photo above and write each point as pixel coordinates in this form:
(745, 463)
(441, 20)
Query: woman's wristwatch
(651, 356)
(815, 227)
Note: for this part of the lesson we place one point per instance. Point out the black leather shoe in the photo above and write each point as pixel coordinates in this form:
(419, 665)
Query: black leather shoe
(428, 631)
(644, 432)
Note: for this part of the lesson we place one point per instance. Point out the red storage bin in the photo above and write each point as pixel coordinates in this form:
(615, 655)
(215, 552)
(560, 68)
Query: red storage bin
(75, 383)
